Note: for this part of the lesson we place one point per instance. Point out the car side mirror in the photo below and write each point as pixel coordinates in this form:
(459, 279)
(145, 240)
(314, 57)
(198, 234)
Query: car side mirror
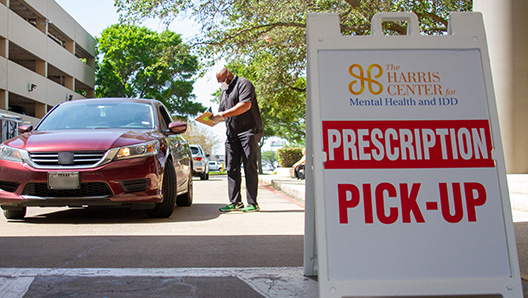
(208, 155)
(177, 127)
(24, 128)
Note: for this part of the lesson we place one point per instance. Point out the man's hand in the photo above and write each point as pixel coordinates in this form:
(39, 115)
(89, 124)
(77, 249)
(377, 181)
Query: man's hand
(217, 118)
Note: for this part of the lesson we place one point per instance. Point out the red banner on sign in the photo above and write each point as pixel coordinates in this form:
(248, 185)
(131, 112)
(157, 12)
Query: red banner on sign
(407, 144)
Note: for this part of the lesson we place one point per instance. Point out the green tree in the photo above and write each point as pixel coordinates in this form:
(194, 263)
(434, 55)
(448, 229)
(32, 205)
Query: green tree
(269, 37)
(283, 109)
(137, 62)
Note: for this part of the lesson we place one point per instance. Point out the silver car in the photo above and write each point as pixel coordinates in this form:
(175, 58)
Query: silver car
(200, 162)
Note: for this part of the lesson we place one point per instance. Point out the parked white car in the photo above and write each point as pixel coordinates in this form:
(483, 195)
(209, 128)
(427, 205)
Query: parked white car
(200, 162)
(214, 166)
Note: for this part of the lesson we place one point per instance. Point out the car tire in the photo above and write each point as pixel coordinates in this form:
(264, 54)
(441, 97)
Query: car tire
(15, 213)
(166, 207)
(204, 176)
(186, 199)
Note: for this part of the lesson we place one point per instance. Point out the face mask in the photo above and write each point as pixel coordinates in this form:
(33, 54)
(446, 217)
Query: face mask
(224, 86)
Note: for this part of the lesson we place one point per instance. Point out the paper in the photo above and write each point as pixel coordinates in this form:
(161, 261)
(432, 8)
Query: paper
(204, 118)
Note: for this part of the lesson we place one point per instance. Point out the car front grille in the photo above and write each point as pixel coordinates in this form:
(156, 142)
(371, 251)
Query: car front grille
(82, 158)
(90, 189)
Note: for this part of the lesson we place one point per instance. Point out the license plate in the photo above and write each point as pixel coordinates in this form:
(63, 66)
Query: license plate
(63, 180)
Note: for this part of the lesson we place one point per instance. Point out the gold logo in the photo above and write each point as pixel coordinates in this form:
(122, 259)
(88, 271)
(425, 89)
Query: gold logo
(354, 68)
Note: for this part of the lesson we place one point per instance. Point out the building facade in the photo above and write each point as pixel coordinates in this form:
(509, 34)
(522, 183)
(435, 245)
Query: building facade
(46, 58)
(507, 36)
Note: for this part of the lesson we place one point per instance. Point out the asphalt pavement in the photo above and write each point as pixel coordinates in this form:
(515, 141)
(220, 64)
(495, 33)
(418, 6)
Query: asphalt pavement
(197, 252)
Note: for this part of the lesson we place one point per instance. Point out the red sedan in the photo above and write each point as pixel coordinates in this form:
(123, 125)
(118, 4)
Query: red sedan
(98, 152)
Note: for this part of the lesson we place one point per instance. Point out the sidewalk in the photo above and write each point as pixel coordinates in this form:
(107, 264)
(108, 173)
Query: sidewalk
(290, 186)
(517, 185)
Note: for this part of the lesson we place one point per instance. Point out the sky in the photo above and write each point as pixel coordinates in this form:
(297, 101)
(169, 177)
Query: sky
(96, 15)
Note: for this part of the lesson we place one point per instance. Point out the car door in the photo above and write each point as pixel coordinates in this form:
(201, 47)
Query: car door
(178, 148)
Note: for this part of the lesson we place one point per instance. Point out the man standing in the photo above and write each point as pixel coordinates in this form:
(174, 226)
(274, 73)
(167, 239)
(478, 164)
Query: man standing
(239, 109)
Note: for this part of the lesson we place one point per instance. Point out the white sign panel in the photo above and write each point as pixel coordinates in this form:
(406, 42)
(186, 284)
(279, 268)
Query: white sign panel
(410, 185)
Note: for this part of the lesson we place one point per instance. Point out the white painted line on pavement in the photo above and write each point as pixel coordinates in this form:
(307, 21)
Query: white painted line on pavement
(268, 281)
(14, 287)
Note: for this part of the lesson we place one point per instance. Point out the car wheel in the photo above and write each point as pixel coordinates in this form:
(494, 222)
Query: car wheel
(15, 213)
(204, 176)
(186, 199)
(165, 208)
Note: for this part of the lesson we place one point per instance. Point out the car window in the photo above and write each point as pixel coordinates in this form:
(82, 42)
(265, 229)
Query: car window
(98, 115)
(195, 150)
(165, 118)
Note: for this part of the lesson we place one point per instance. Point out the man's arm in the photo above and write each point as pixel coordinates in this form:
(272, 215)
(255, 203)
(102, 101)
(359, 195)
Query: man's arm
(239, 108)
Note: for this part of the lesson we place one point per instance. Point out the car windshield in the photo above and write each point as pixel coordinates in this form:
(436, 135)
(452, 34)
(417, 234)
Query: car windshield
(94, 115)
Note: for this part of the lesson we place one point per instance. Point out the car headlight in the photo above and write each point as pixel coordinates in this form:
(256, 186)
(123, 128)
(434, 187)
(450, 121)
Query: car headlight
(10, 153)
(140, 150)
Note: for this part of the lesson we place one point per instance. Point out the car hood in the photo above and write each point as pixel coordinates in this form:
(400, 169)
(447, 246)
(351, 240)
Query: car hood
(79, 140)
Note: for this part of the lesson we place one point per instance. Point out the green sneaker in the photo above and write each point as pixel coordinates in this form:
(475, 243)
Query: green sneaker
(232, 207)
(251, 208)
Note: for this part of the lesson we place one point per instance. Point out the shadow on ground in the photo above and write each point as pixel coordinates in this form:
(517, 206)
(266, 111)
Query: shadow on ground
(94, 215)
(152, 251)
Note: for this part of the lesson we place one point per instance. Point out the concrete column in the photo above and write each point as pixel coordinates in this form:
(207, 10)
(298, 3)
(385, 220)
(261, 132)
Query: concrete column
(89, 93)
(90, 62)
(507, 35)
(4, 48)
(41, 67)
(40, 110)
(3, 100)
(42, 25)
(4, 52)
(70, 46)
(69, 83)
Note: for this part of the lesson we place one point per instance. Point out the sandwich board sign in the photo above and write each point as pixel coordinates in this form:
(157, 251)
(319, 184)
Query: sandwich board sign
(410, 187)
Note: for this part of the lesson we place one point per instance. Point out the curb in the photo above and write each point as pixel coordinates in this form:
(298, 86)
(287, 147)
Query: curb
(293, 187)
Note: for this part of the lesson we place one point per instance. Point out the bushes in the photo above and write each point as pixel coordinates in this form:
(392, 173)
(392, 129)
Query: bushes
(288, 156)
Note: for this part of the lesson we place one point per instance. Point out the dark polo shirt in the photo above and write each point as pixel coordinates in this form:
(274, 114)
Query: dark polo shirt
(241, 90)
